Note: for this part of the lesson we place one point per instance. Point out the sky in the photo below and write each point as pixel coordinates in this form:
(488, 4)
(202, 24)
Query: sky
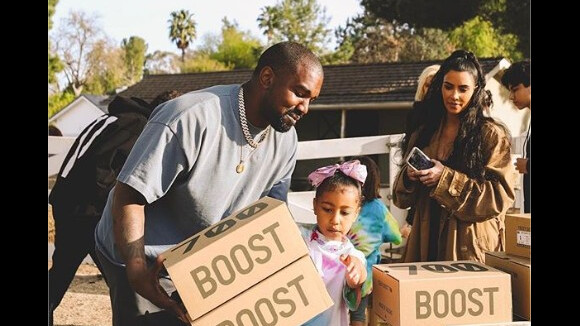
(148, 19)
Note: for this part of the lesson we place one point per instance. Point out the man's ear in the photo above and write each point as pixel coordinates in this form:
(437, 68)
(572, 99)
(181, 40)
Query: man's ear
(266, 77)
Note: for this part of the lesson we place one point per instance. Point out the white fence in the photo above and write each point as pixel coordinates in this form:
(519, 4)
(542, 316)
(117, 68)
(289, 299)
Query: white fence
(300, 203)
(57, 149)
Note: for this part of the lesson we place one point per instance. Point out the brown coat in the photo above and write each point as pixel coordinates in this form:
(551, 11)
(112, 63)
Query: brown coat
(472, 212)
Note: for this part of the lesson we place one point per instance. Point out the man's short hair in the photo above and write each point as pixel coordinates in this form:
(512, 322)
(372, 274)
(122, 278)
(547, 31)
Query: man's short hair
(517, 73)
(164, 97)
(287, 55)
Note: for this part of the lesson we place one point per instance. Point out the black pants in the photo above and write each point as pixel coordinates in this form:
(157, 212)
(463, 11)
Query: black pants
(74, 239)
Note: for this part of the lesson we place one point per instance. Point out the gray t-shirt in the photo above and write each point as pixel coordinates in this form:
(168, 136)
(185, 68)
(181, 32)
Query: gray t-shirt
(184, 164)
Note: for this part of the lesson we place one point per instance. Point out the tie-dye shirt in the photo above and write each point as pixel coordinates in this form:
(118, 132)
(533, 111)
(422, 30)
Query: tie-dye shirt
(374, 226)
(325, 255)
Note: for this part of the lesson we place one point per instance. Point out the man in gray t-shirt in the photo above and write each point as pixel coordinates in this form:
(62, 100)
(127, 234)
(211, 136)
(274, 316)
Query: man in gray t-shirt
(201, 157)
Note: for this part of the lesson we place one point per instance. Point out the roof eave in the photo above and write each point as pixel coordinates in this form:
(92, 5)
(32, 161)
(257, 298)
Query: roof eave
(364, 106)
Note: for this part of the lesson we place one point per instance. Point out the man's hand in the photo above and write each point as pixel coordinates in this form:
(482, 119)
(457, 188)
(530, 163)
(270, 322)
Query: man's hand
(356, 273)
(129, 230)
(145, 281)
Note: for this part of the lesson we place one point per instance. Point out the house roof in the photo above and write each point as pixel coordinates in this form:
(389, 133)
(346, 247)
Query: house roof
(343, 84)
(99, 101)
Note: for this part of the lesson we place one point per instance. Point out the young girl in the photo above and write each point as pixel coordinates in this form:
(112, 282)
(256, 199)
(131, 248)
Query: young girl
(341, 266)
(374, 226)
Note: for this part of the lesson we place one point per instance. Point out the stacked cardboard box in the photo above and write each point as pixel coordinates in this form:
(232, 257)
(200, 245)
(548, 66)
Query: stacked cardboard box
(441, 293)
(520, 270)
(250, 268)
(513, 323)
(518, 234)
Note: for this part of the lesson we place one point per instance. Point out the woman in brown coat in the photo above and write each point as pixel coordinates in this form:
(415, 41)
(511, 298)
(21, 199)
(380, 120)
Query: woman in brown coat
(461, 201)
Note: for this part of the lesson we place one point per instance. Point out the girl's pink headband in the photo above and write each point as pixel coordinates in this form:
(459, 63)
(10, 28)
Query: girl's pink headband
(352, 169)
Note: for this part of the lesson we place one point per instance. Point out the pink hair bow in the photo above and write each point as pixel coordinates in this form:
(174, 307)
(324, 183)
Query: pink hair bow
(352, 169)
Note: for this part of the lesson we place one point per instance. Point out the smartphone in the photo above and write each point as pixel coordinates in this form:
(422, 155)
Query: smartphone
(417, 160)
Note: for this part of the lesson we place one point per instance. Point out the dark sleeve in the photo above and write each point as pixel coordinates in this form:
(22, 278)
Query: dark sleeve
(112, 152)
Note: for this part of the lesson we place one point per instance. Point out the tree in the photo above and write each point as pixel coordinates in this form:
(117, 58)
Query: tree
(301, 21)
(201, 62)
(237, 49)
(108, 68)
(427, 44)
(370, 39)
(54, 64)
(135, 49)
(51, 9)
(182, 30)
(508, 17)
(161, 62)
(480, 37)
(73, 43)
(442, 14)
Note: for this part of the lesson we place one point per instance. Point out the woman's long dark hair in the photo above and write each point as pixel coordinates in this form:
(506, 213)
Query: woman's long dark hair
(468, 149)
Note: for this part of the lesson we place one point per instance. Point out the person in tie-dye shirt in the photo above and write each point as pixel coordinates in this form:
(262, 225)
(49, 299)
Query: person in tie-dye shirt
(374, 226)
(342, 267)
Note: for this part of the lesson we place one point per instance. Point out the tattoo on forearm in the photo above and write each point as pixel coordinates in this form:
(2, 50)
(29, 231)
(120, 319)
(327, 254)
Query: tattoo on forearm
(135, 249)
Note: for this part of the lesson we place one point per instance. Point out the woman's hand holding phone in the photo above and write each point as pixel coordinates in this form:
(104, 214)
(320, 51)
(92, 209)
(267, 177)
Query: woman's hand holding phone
(430, 177)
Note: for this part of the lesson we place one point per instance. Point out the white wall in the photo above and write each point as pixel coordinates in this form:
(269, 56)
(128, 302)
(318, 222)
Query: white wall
(79, 115)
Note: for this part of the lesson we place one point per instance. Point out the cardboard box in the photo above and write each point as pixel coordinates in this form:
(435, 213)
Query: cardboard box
(441, 293)
(233, 255)
(520, 269)
(290, 297)
(513, 323)
(518, 234)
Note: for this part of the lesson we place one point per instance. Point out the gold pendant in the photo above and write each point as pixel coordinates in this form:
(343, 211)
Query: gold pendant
(240, 168)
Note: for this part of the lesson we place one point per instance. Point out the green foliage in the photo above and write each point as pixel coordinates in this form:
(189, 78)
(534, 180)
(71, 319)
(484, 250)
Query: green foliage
(182, 30)
(51, 9)
(161, 62)
(109, 71)
(442, 14)
(480, 37)
(341, 55)
(201, 62)
(426, 44)
(301, 21)
(508, 17)
(372, 39)
(54, 66)
(237, 49)
(58, 101)
(135, 49)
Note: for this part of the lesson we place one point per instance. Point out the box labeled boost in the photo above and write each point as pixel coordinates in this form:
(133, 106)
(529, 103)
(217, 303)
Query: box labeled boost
(290, 297)
(518, 234)
(520, 269)
(233, 255)
(441, 293)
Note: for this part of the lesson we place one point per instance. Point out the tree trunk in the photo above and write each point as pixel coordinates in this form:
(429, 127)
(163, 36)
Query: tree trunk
(182, 55)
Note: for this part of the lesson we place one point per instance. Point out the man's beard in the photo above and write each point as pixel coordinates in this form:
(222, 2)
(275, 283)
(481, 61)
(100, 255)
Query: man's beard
(278, 122)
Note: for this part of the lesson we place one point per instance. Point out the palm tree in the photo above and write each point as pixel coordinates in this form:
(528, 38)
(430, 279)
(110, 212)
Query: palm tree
(182, 30)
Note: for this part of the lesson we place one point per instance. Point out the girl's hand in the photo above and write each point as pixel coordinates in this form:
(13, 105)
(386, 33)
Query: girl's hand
(430, 177)
(356, 272)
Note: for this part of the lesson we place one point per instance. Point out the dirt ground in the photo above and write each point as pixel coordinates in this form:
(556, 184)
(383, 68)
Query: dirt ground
(87, 300)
